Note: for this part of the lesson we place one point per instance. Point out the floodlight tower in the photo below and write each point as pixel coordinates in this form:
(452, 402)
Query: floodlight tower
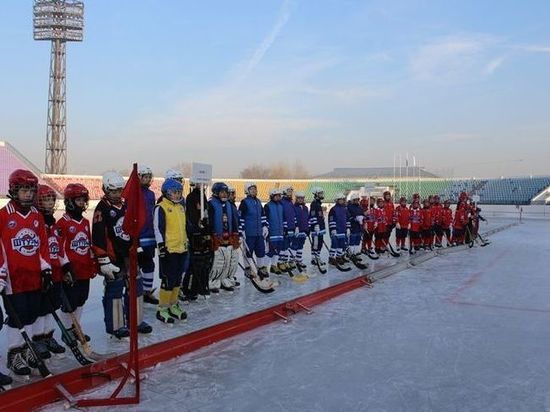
(59, 21)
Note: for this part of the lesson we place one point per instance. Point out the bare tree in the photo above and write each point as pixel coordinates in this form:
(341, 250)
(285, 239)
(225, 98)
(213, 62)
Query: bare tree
(279, 170)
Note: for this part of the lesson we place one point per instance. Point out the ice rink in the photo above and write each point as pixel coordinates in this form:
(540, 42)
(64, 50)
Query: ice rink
(464, 331)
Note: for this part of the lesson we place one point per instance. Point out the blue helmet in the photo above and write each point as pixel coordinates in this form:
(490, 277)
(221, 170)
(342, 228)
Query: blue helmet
(219, 187)
(171, 185)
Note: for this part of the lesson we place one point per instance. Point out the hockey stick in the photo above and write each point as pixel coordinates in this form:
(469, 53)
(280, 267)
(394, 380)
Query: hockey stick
(80, 333)
(390, 249)
(338, 266)
(300, 277)
(254, 283)
(369, 255)
(69, 339)
(246, 258)
(42, 368)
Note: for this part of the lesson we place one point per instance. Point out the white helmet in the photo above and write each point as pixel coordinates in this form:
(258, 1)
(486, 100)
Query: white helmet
(287, 189)
(275, 191)
(144, 170)
(113, 181)
(300, 194)
(230, 189)
(338, 196)
(173, 174)
(248, 185)
(355, 196)
(317, 190)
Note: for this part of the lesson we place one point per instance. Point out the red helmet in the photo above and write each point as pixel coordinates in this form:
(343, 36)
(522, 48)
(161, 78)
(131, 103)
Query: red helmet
(387, 193)
(463, 196)
(402, 199)
(74, 190)
(43, 192)
(20, 177)
(416, 196)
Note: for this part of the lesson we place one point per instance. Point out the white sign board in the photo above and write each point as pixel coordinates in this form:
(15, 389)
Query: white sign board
(201, 173)
(475, 198)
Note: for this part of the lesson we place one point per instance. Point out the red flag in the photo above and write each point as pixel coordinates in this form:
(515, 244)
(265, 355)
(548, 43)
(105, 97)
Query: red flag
(134, 218)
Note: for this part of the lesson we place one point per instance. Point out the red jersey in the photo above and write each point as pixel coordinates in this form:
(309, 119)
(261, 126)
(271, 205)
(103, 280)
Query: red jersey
(57, 256)
(369, 222)
(402, 214)
(380, 216)
(446, 217)
(77, 246)
(389, 211)
(461, 217)
(437, 210)
(415, 219)
(427, 219)
(25, 247)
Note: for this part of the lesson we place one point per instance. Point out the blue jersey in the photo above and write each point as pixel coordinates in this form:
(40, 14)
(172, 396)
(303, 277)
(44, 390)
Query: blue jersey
(289, 214)
(275, 221)
(355, 210)
(338, 219)
(147, 234)
(222, 217)
(316, 216)
(302, 217)
(251, 216)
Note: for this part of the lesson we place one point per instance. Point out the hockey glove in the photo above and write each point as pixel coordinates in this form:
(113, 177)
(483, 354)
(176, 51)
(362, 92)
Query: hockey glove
(68, 277)
(162, 250)
(46, 276)
(333, 232)
(265, 232)
(107, 269)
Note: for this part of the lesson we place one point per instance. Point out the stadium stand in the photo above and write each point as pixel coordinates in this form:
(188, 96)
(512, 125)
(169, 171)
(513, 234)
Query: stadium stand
(502, 191)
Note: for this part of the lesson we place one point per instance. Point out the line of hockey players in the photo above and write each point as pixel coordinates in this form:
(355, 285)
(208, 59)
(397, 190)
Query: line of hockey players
(46, 265)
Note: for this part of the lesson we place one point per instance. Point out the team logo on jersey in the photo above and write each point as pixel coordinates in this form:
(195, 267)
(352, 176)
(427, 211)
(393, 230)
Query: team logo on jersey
(12, 224)
(53, 246)
(80, 244)
(119, 232)
(112, 213)
(26, 242)
(72, 229)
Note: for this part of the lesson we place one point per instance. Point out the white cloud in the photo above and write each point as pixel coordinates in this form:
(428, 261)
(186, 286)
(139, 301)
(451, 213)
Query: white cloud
(493, 65)
(449, 56)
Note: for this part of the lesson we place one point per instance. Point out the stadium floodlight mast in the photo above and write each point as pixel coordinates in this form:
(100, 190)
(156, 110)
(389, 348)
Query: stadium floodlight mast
(59, 21)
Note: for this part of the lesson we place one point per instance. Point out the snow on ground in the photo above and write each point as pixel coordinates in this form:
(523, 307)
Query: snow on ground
(463, 331)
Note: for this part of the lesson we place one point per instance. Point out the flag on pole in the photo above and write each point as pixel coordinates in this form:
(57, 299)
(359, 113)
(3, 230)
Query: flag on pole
(135, 217)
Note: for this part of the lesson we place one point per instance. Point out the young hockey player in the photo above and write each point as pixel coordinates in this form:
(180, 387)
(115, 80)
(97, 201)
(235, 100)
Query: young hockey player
(369, 227)
(76, 242)
(302, 223)
(459, 223)
(112, 247)
(254, 231)
(290, 228)
(381, 230)
(402, 215)
(147, 245)
(339, 226)
(389, 211)
(43, 327)
(447, 221)
(171, 239)
(437, 211)
(427, 225)
(24, 269)
(317, 227)
(232, 198)
(200, 256)
(355, 212)
(225, 236)
(415, 227)
(273, 211)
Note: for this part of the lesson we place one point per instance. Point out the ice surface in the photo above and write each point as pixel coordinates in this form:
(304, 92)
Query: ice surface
(465, 331)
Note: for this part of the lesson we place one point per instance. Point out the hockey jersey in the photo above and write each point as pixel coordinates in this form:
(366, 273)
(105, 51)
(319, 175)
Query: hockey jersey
(77, 246)
(108, 238)
(402, 214)
(25, 252)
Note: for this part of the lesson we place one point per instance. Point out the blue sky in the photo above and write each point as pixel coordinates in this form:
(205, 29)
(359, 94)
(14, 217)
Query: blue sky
(464, 85)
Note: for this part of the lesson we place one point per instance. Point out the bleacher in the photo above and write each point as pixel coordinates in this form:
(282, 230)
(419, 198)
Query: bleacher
(502, 191)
